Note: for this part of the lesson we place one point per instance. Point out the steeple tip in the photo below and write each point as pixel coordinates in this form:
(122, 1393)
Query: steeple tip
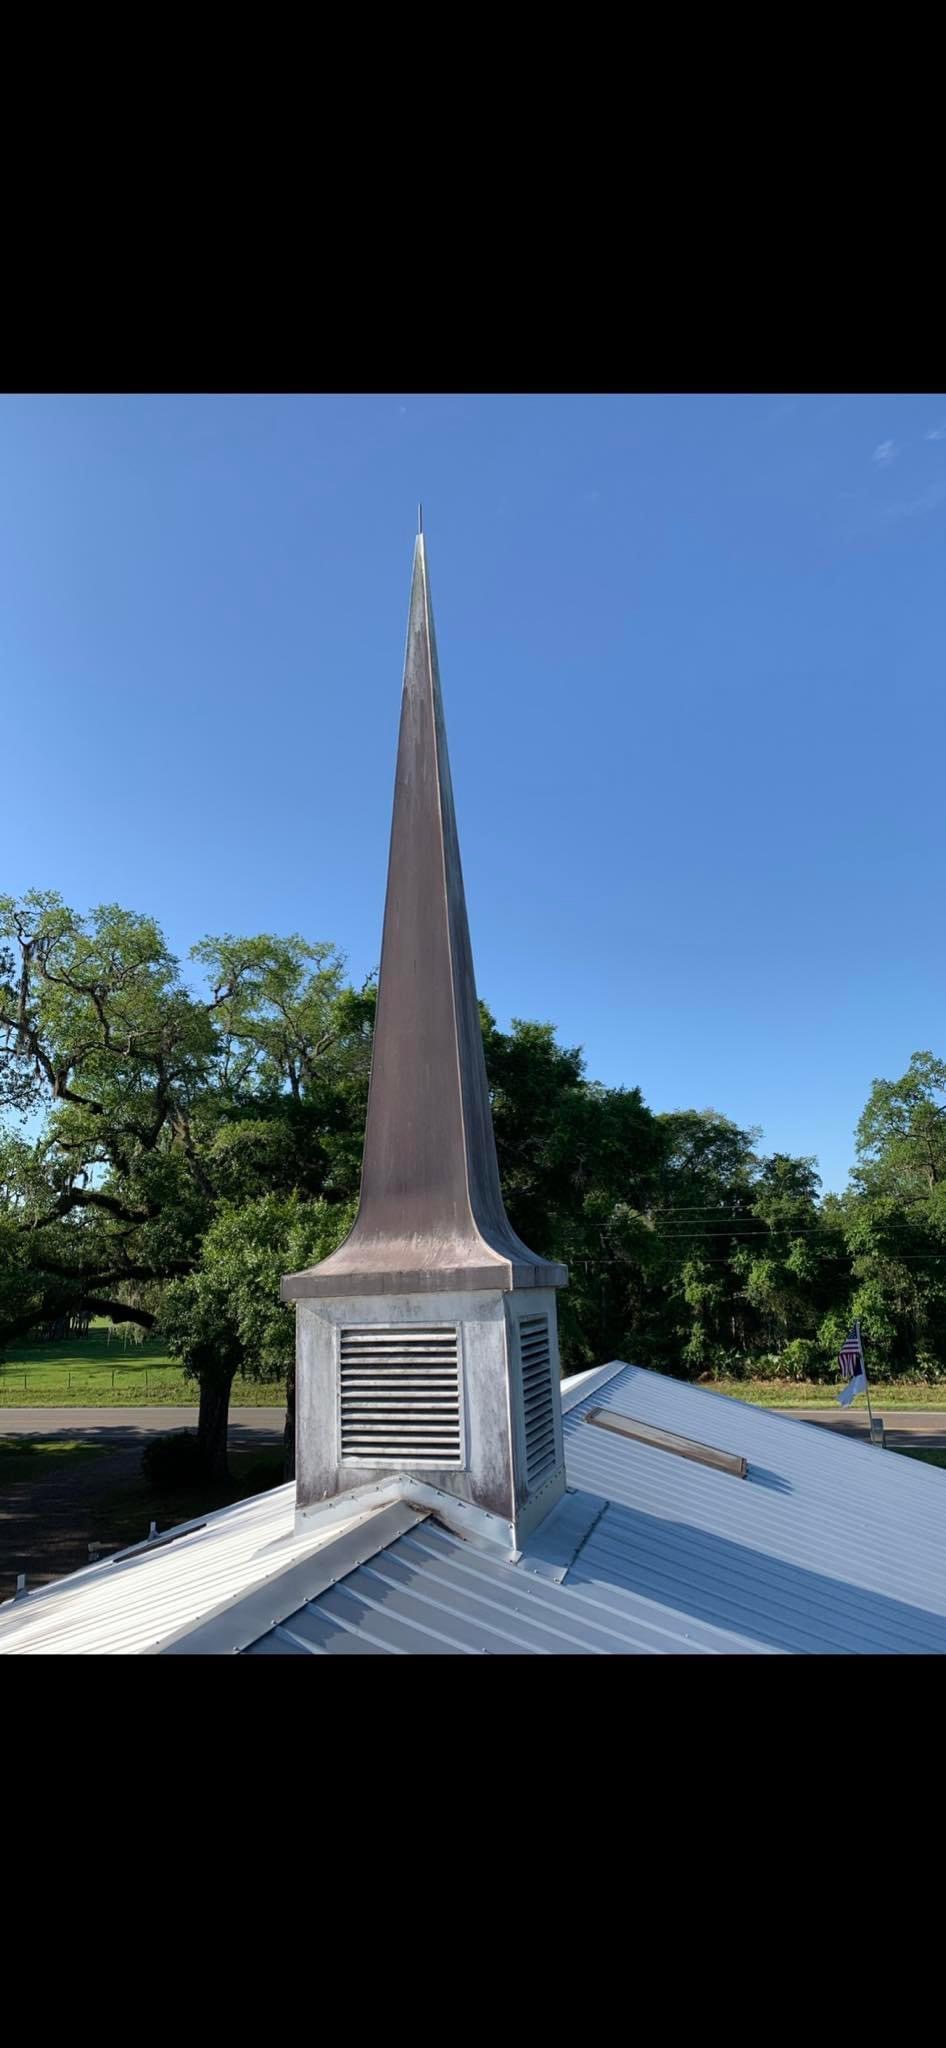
(420, 521)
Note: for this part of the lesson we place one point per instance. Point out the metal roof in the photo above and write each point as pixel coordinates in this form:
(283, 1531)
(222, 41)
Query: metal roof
(432, 1592)
(825, 1545)
(812, 1551)
(132, 1602)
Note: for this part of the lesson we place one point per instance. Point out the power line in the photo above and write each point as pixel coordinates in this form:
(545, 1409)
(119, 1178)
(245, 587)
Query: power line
(753, 1208)
(702, 1208)
(901, 1258)
(751, 1194)
(757, 1229)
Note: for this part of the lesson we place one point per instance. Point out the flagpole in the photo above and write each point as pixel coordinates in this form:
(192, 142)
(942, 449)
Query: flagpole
(870, 1412)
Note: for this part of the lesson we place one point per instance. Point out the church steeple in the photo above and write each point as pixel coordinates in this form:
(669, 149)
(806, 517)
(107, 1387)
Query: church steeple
(431, 1213)
(427, 1349)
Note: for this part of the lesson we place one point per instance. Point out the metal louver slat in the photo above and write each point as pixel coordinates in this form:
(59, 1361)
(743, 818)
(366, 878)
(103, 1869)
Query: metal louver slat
(399, 1396)
(537, 1397)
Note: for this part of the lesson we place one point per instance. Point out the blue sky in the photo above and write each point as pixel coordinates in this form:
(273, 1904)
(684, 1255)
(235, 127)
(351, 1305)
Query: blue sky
(693, 658)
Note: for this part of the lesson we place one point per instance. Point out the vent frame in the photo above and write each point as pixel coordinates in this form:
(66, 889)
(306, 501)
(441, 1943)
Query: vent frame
(540, 1448)
(638, 1432)
(412, 1426)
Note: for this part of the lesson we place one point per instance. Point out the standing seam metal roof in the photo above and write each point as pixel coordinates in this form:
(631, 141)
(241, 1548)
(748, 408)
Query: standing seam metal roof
(826, 1545)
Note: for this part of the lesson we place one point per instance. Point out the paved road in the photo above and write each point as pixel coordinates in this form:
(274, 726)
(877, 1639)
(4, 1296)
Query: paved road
(915, 1428)
(121, 1425)
(923, 1427)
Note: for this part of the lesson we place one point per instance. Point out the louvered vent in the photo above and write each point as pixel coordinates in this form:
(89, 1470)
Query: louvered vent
(399, 1395)
(537, 1396)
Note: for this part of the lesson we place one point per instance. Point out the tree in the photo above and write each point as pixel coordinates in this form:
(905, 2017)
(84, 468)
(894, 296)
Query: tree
(901, 1136)
(293, 1060)
(702, 1201)
(227, 1316)
(895, 1220)
(576, 1162)
(193, 1146)
(793, 1262)
(97, 1030)
(199, 1328)
(160, 1110)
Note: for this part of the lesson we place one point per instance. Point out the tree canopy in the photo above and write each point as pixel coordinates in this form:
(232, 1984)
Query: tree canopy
(171, 1142)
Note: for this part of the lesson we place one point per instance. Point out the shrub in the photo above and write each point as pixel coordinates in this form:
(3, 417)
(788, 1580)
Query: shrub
(802, 1359)
(174, 1462)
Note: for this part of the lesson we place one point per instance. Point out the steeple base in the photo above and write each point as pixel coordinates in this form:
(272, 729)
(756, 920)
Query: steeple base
(459, 1390)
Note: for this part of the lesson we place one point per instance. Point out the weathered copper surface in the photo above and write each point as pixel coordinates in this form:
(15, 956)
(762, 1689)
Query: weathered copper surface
(431, 1215)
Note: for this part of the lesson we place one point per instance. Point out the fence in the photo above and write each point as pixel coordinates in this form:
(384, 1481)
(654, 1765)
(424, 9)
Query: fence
(102, 1379)
(101, 1385)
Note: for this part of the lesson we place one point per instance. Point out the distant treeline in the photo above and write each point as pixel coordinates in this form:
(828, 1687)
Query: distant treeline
(194, 1146)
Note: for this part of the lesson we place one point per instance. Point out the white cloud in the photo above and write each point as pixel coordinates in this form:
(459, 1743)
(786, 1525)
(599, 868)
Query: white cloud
(885, 451)
(937, 433)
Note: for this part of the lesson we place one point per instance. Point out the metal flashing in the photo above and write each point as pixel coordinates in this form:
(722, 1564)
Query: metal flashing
(581, 1384)
(558, 1540)
(456, 1513)
(238, 1622)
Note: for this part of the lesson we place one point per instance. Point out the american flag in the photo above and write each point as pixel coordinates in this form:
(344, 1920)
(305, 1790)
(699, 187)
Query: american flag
(851, 1356)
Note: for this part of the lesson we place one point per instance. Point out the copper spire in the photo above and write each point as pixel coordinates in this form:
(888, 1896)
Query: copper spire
(431, 1214)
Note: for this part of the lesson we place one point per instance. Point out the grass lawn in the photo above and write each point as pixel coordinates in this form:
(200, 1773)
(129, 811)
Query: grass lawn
(885, 1395)
(100, 1371)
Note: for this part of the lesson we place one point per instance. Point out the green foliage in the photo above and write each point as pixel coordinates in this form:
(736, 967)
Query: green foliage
(901, 1137)
(895, 1221)
(98, 1031)
(227, 1315)
(161, 1107)
(185, 1148)
(802, 1358)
